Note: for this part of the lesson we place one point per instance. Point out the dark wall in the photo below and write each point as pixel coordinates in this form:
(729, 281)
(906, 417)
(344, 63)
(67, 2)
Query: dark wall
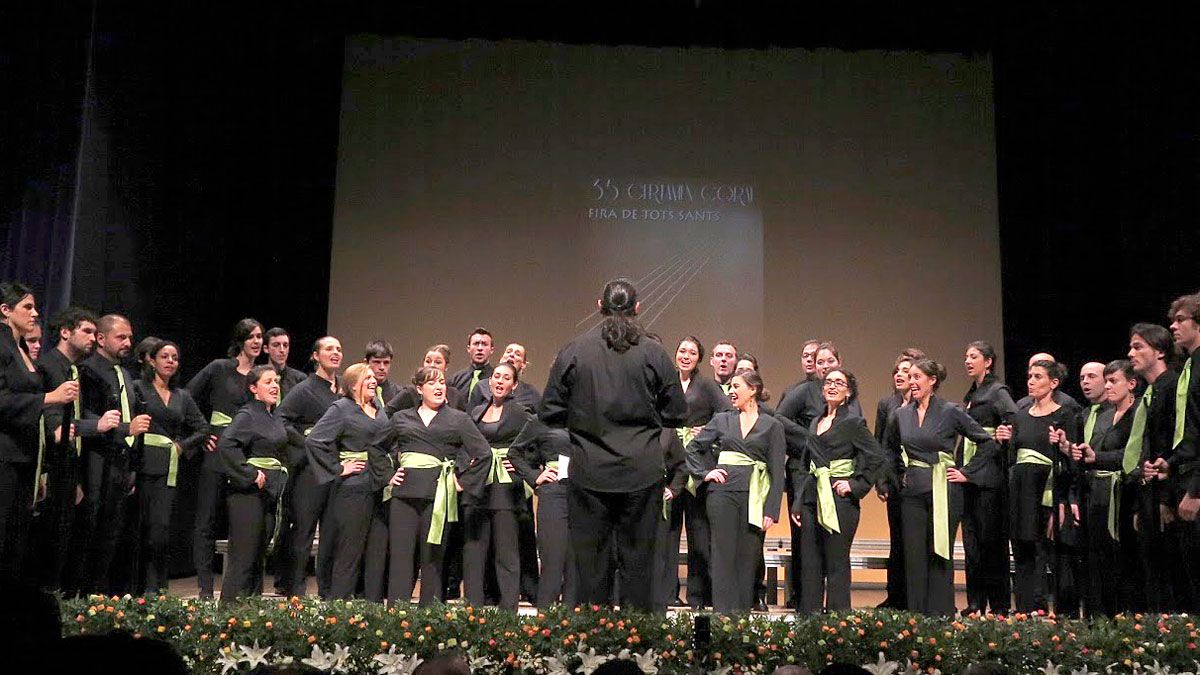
(207, 194)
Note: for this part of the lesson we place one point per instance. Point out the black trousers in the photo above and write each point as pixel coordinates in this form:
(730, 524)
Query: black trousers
(1102, 583)
(55, 531)
(1131, 587)
(251, 523)
(793, 571)
(825, 580)
(452, 560)
(733, 556)
(408, 528)
(930, 578)
(897, 585)
(527, 550)
(985, 545)
(491, 543)
(557, 577)
(155, 502)
(375, 558)
(281, 557)
(16, 516)
(210, 496)
(308, 507)
(666, 561)
(105, 499)
(349, 517)
(1154, 552)
(630, 520)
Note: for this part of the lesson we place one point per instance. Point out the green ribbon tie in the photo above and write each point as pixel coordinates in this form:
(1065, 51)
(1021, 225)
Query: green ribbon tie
(1133, 448)
(1181, 394)
(1113, 478)
(474, 381)
(941, 501)
(826, 507)
(160, 441)
(271, 464)
(970, 447)
(760, 482)
(124, 396)
(37, 474)
(78, 407)
(445, 496)
(379, 403)
(1090, 425)
(1030, 456)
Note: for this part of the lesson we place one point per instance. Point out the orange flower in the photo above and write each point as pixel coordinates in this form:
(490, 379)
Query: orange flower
(312, 639)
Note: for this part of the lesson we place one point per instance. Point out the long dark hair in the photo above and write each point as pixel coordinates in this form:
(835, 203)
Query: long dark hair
(12, 292)
(241, 333)
(146, 361)
(618, 303)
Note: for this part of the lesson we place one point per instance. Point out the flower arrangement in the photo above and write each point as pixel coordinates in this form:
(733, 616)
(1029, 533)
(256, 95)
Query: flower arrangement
(366, 637)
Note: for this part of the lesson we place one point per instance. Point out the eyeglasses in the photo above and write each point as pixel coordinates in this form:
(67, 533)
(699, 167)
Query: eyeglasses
(837, 384)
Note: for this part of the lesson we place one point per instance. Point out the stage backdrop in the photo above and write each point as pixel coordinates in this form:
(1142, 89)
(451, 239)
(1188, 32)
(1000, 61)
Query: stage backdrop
(760, 196)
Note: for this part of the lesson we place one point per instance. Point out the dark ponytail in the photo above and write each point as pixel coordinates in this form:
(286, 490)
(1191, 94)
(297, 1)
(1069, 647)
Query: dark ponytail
(618, 304)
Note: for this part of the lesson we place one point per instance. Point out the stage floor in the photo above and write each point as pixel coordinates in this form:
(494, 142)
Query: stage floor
(861, 598)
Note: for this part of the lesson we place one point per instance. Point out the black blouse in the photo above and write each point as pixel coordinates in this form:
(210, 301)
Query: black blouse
(21, 399)
(1109, 445)
(846, 438)
(503, 434)
(254, 432)
(939, 433)
(300, 411)
(450, 435)
(345, 427)
(764, 443)
(179, 419)
(990, 403)
(219, 387)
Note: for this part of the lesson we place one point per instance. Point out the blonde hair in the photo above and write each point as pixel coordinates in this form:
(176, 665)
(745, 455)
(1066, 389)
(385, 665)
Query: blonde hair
(352, 376)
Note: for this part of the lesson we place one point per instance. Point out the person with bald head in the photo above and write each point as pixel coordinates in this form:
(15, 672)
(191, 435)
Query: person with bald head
(1060, 397)
(106, 384)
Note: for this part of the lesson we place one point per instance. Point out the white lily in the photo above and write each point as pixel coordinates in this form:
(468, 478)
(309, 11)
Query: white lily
(254, 656)
(723, 670)
(391, 663)
(341, 658)
(319, 659)
(591, 661)
(882, 666)
(227, 660)
(554, 665)
(647, 662)
(1049, 669)
(479, 663)
(1084, 671)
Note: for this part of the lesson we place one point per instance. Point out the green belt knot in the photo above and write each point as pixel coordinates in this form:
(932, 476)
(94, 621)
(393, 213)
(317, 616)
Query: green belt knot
(445, 495)
(760, 482)
(826, 507)
(941, 501)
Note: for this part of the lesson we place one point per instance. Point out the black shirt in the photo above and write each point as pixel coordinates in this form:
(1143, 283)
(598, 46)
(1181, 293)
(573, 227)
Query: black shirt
(450, 435)
(536, 446)
(764, 443)
(462, 379)
(942, 426)
(101, 392)
(846, 438)
(806, 402)
(289, 377)
(21, 398)
(614, 405)
(345, 427)
(254, 432)
(179, 419)
(1060, 397)
(503, 434)
(300, 411)
(219, 387)
(410, 398)
(524, 393)
(990, 404)
(1109, 444)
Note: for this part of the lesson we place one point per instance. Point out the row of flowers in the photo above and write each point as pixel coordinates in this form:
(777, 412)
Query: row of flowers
(358, 637)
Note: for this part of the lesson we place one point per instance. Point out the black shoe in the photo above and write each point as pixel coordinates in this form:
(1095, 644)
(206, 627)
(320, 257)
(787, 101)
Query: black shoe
(762, 606)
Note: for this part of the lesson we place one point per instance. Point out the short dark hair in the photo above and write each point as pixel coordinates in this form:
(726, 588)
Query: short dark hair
(276, 332)
(71, 319)
(1122, 366)
(12, 292)
(480, 330)
(379, 349)
(1054, 369)
(1156, 336)
(932, 369)
(426, 374)
(829, 346)
(731, 343)
(144, 348)
(257, 372)
(1190, 304)
(851, 382)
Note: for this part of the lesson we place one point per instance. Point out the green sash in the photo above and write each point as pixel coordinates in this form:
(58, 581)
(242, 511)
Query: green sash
(1029, 456)
(349, 456)
(686, 435)
(37, 473)
(1090, 425)
(219, 419)
(760, 482)
(941, 501)
(160, 441)
(1114, 480)
(498, 474)
(271, 464)
(970, 447)
(126, 416)
(445, 496)
(1181, 394)
(1133, 448)
(826, 508)
(78, 407)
